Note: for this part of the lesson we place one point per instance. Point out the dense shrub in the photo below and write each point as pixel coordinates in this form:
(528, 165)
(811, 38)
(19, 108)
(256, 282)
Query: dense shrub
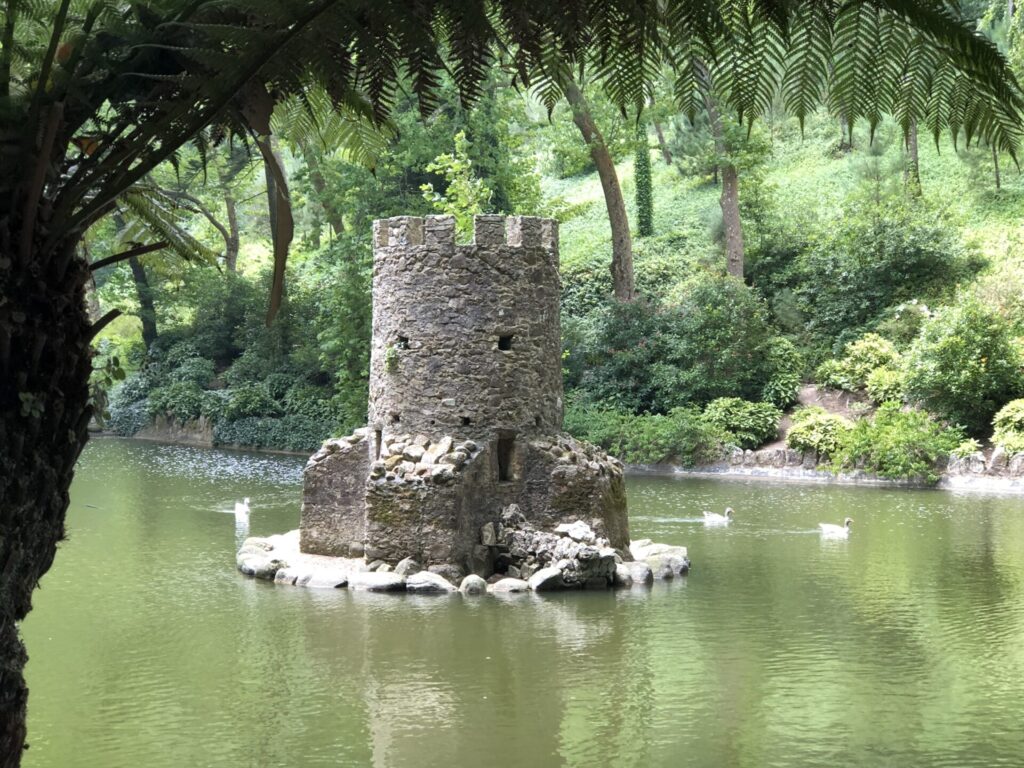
(965, 365)
(876, 257)
(193, 370)
(289, 433)
(181, 401)
(898, 444)
(752, 424)
(126, 419)
(645, 357)
(816, 430)
(786, 364)
(681, 436)
(249, 400)
(859, 359)
(885, 385)
(1009, 426)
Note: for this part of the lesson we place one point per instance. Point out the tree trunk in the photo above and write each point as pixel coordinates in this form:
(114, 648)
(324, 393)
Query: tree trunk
(232, 243)
(316, 178)
(666, 153)
(912, 176)
(730, 198)
(995, 162)
(147, 310)
(45, 363)
(623, 281)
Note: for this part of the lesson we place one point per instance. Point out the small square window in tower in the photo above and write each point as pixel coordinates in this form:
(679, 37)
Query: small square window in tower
(504, 343)
(506, 449)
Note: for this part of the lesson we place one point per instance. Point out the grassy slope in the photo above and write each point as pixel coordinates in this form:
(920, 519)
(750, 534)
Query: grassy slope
(810, 184)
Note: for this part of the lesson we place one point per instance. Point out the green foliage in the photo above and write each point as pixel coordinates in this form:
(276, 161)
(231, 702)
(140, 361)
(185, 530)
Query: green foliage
(250, 400)
(885, 385)
(860, 358)
(180, 400)
(875, 257)
(646, 357)
(289, 433)
(815, 430)
(193, 370)
(965, 365)
(966, 448)
(465, 195)
(898, 444)
(644, 187)
(682, 436)
(127, 419)
(786, 364)
(1009, 427)
(751, 424)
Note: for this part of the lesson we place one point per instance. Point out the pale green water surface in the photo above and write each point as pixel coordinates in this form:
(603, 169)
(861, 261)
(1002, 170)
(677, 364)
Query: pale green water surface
(903, 646)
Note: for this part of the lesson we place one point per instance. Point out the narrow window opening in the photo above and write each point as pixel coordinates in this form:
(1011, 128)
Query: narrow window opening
(403, 342)
(506, 453)
(536, 420)
(396, 418)
(379, 437)
(466, 421)
(504, 343)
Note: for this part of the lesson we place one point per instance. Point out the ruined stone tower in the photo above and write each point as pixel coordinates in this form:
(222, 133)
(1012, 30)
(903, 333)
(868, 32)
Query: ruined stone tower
(465, 409)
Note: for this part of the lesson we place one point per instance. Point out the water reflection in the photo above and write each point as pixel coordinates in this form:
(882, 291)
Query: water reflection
(899, 646)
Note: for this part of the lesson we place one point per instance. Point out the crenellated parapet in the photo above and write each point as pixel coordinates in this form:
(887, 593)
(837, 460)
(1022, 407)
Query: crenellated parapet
(466, 338)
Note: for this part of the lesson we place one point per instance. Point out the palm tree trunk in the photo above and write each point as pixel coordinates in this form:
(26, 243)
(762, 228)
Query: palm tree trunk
(729, 201)
(913, 172)
(666, 153)
(232, 243)
(995, 163)
(623, 281)
(147, 309)
(45, 363)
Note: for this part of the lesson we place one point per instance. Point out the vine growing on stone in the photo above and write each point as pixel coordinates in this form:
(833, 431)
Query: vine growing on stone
(644, 188)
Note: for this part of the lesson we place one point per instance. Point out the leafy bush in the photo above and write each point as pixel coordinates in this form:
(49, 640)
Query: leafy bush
(816, 430)
(965, 365)
(194, 370)
(181, 401)
(278, 384)
(966, 448)
(786, 364)
(645, 357)
(752, 424)
(1009, 426)
(876, 257)
(249, 400)
(134, 388)
(288, 433)
(682, 435)
(898, 444)
(885, 385)
(127, 419)
(859, 359)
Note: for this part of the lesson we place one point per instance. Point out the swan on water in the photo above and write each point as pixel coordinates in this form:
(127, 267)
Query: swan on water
(836, 531)
(713, 518)
(242, 509)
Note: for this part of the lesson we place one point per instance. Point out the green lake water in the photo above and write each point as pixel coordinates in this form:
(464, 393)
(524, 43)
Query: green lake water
(903, 646)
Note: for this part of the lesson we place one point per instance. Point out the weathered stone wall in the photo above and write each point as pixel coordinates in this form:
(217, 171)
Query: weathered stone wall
(334, 497)
(442, 317)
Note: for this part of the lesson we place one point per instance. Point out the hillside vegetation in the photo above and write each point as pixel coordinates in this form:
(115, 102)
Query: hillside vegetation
(855, 278)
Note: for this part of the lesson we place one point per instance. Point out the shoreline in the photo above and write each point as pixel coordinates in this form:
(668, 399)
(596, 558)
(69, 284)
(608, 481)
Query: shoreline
(959, 482)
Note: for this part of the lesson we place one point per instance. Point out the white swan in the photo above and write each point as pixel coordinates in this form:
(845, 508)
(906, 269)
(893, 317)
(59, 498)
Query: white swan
(242, 509)
(831, 531)
(713, 518)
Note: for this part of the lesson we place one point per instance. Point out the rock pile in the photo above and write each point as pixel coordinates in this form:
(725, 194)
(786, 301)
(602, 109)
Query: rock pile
(573, 556)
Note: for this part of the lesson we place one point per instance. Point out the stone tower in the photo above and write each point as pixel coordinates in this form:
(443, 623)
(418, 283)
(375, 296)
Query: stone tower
(465, 408)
